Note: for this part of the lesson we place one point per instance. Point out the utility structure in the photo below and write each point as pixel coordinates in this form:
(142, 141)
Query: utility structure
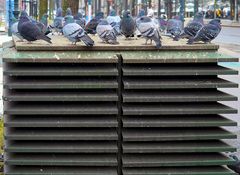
(196, 5)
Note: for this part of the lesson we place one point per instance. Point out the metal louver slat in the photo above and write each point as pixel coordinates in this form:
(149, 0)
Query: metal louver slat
(63, 159)
(61, 96)
(209, 170)
(177, 108)
(177, 70)
(62, 121)
(61, 147)
(166, 160)
(172, 134)
(177, 147)
(177, 83)
(61, 134)
(69, 70)
(61, 84)
(34, 170)
(177, 96)
(61, 109)
(176, 121)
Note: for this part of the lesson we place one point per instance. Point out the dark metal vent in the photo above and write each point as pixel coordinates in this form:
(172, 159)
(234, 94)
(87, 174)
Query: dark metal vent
(61, 118)
(172, 119)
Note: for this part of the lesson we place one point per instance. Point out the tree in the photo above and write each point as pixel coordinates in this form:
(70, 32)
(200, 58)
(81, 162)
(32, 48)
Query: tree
(133, 5)
(196, 5)
(73, 4)
(58, 3)
(159, 8)
(168, 7)
(43, 7)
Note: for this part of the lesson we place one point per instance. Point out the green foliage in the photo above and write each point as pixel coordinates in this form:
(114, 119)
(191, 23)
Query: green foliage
(43, 8)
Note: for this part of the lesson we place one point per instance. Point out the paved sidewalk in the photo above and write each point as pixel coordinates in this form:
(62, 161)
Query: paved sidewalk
(226, 22)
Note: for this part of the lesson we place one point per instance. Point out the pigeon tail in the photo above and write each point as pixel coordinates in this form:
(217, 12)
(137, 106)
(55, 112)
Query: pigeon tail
(45, 38)
(87, 40)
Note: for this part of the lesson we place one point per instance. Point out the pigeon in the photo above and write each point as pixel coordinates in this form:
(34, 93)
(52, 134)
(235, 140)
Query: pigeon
(44, 19)
(141, 13)
(106, 32)
(194, 26)
(198, 17)
(149, 30)
(236, 166)
(69, 17)
(80, 20)
(93, 23)
(127, 25)
(208, 33)
(175, 28)
(30, 31)
(75, 33)
(114, 21)
(58, 21)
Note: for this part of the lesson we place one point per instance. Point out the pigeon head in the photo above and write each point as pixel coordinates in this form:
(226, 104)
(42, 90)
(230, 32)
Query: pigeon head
(59, 12)
(99, 15)
(145, 19)
(69, 12)
(113, 13)
(103, 22)
(45, 16)
(24, 16)
(198, 16)
(126, 14)
(234, 157)
(68, 20)
(141, 13)
(79, 15)
(23, 13)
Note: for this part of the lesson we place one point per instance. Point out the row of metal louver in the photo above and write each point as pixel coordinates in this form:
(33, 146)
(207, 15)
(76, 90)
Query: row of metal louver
(116, 118)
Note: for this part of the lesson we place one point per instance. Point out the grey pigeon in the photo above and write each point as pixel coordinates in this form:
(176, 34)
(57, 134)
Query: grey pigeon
(106, 32)
(149, 30)
(141, 13)
(198, 17)
(30, 31)
(44, 19)
(175, 28)
(75, 33)
(93, 23)
(194, 26)
(127, 25)
(58, 21)
(208, 33)
(114, 21)
(80, 20)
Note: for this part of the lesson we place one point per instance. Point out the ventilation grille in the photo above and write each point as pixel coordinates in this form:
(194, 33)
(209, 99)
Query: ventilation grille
(61, 118)
(116, 118)
(172, 119)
